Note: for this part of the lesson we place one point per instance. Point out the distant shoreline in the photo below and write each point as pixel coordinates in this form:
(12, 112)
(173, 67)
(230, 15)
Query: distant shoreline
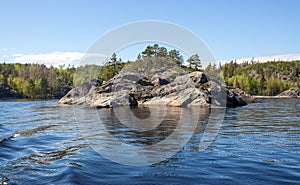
(3, 99)
(276, 97)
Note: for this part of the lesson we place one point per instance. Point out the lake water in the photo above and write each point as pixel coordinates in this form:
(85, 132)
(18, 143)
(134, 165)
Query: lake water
(43, 143)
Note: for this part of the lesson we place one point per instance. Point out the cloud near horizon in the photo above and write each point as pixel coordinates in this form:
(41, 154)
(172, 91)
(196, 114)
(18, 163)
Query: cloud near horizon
(77, 58)
(56, 58)
(285, 57)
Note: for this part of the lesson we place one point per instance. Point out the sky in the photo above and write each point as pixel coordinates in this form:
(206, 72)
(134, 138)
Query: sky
(61, 31)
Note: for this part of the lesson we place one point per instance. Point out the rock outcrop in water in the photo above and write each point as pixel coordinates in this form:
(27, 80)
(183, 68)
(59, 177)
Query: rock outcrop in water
(168, 87)
(290, 93)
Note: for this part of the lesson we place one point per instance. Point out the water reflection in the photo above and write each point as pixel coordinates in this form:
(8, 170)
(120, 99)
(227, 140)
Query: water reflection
(116, 140)
(141, 137)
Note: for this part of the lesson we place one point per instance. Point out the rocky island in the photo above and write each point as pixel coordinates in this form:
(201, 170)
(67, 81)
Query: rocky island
(137, 85)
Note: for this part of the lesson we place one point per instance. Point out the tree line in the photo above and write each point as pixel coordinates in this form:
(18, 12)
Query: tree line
(267, 79)
(115, 64)
(35, 80)
(39, 81)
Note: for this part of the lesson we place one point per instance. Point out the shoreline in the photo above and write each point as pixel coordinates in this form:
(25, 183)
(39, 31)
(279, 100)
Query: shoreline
(25, 99)
(275, 97)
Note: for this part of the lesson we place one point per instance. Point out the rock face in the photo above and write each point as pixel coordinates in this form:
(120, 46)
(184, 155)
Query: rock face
(131, 88)
(237, 97)
(290, 93)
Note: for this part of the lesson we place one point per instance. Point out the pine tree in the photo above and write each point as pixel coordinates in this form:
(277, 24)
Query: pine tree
(194, 62)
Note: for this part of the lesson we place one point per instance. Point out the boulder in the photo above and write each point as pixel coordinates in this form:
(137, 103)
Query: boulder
(237, 97)
(198, 77)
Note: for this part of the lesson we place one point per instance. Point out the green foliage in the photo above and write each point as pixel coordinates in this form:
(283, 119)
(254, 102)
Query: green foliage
(36, 80)
(162, 52)
(111, 68)
(85, 73)
(269, 79)
(194, 62)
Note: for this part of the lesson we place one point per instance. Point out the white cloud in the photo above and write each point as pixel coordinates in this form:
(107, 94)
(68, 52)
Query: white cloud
(17, 55)
(55, 58)
(286, 57)
(8, 49)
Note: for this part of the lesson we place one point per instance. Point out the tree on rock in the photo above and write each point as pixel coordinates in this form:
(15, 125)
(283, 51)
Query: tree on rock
(194, 62)
(175, 56)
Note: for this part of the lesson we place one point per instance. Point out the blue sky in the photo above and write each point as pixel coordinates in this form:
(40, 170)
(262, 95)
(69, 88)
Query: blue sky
(231, 28)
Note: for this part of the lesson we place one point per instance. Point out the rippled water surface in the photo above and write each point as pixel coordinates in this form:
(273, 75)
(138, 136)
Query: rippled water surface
(42, 142)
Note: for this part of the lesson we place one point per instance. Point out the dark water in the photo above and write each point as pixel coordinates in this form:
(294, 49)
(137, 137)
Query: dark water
(43, 143)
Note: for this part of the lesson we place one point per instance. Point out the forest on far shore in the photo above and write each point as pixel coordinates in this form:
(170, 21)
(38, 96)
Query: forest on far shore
(267, 79)
(35, 81)
(39, 81)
